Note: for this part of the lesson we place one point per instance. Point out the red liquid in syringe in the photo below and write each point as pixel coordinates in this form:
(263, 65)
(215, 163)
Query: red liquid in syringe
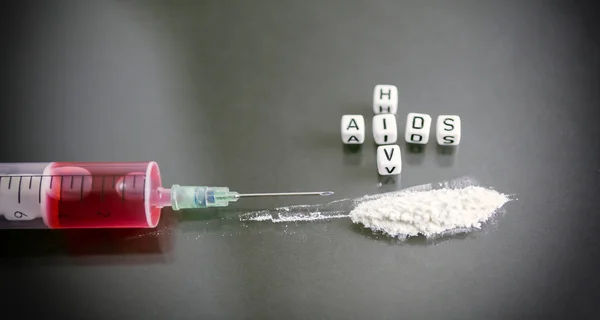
(101, 195)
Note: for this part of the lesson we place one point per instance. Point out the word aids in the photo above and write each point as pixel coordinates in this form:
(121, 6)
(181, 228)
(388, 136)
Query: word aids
(385, 129)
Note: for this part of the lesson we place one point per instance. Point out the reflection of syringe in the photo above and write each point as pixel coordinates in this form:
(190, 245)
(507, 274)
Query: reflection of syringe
(100, 195)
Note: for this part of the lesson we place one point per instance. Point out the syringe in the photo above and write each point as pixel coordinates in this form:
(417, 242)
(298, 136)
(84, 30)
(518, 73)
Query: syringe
(58, 195)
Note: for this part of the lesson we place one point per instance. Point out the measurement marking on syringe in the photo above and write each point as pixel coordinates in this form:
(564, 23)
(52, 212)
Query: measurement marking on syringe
(19, 192)
(81, 188)
(144, 191)
(40, 190)
(71, 186)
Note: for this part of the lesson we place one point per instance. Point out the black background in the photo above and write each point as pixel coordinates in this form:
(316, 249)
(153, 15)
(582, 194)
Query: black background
(249, 94)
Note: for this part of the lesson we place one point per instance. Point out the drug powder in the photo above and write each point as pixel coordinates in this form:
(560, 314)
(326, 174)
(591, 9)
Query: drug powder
(430, 212)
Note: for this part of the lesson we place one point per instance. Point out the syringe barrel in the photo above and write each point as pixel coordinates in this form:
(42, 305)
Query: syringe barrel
(79, 195)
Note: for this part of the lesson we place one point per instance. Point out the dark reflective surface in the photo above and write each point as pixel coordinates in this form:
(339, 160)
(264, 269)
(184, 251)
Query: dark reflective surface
(249, 95)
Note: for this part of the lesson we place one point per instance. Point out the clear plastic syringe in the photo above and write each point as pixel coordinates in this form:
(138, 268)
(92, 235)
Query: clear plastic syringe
(58, 195)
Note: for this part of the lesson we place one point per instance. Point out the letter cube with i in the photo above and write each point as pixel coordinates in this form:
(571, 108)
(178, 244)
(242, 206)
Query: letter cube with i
(385, 130)
(417, 128)
(389, 160)
(448, 130)
(353, 129)
(385, 99)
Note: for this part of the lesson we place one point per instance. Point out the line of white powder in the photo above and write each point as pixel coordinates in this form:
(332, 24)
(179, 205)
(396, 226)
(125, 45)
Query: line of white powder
(316, 216)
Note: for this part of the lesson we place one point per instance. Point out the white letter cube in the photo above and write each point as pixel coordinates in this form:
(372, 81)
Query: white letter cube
(385, 130)
(389, 160)
(417, 128)
(448, 130)
(385, 99)
(353, 129)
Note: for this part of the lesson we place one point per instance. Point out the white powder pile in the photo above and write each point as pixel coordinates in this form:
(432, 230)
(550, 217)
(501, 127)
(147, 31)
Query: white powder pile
(429, 212)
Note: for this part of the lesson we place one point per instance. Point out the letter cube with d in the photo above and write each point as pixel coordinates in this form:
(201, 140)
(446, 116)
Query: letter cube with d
(417, 128)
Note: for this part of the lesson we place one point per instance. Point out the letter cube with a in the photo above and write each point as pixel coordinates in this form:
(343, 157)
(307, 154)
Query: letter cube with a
(353, 129)
(448, 130)
(385, 99)
(417, 128)
(385, 130)
(389, 160)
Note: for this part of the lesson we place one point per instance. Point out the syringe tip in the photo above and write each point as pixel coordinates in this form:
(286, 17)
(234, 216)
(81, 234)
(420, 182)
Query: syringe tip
(327, 193)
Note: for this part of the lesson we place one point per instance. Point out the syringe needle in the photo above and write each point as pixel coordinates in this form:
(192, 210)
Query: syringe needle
(285, 194)
(190, 197)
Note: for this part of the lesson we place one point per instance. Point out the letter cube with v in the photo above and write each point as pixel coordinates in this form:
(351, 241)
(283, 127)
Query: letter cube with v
(353, 129)
(417, 128)
(389, 160)
(448, 130)
(385, 99)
